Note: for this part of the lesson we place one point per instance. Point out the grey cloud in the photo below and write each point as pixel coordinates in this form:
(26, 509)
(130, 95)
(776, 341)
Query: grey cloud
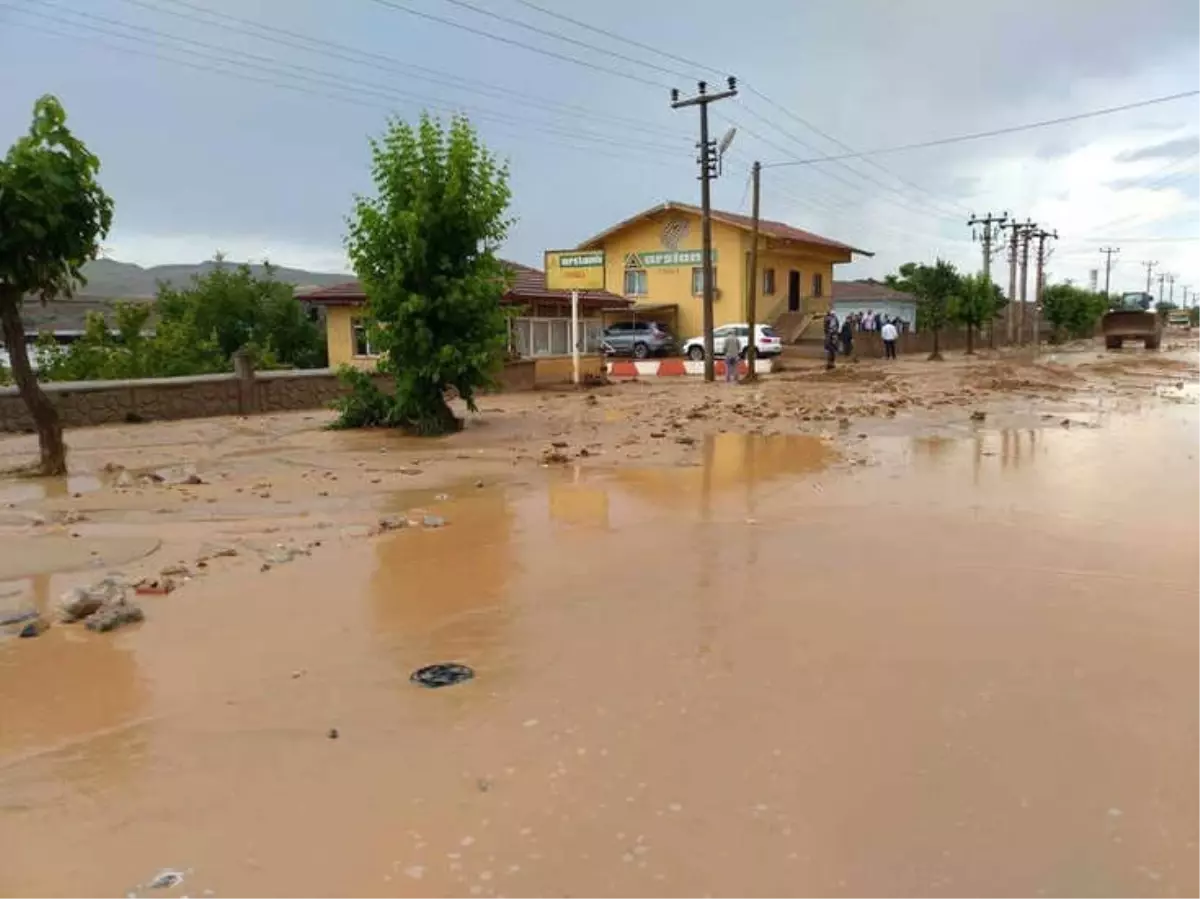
(1180, 148)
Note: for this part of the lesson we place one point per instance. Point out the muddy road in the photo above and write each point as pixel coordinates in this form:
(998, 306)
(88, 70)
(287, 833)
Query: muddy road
(906, 630)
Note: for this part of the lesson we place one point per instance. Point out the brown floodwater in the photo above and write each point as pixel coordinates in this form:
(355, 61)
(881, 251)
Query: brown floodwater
(957, 663)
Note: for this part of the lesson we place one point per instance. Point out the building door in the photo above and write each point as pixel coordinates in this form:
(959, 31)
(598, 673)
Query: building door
(793, 291)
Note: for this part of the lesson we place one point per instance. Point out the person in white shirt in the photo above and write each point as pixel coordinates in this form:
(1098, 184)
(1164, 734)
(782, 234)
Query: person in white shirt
(889, 334)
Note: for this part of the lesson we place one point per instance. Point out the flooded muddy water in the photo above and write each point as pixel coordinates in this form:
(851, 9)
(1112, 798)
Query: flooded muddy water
(962, 662)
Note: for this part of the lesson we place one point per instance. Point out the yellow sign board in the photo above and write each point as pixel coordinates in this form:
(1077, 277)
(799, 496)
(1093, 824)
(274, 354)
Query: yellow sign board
(574, 269)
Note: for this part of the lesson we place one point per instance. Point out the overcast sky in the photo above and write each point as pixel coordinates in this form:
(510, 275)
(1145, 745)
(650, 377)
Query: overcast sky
(216, 135)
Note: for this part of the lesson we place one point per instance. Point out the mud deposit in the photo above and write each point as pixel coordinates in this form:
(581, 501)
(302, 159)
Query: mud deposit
(862, 652)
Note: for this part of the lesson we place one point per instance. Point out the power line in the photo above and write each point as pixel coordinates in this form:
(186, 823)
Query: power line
(618, 37)
(515, 43)
(904, 205)
(362, 57)
(559, 36)
(979, 135)
(356, 89)
(829, 137)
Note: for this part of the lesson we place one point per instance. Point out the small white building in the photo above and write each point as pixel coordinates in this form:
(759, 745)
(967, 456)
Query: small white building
(871, 297)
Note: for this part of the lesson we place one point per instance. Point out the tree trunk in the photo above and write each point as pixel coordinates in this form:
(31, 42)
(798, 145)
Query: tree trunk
(936, 355)
(970, 340)
(45, 416)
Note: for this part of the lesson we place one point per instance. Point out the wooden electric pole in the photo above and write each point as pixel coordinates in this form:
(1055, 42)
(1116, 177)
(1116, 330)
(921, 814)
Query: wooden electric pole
(1026, 230)
(1161, 279)
(708, 171)
(1108, 252)
(991, 230)
(1149, 272)
(752, 293)
(1010, 311)
(1040, 284)
(1171, 291)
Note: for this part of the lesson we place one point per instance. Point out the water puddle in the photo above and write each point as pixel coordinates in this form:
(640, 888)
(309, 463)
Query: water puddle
(969, 662)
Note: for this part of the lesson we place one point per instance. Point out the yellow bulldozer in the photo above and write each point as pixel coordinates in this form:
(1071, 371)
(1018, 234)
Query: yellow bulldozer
(1131, 318)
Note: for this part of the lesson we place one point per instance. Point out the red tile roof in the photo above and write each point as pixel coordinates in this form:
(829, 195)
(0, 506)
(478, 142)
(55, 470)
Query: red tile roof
(766, 227)
(528, 285)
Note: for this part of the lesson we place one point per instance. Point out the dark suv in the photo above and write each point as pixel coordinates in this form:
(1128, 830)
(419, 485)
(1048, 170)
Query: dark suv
(637, 339)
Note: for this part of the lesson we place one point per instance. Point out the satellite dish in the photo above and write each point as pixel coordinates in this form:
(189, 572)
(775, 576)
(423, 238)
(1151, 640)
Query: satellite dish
(726, 140)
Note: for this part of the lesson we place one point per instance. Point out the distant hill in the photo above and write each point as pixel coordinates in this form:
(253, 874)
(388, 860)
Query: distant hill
(109, 280)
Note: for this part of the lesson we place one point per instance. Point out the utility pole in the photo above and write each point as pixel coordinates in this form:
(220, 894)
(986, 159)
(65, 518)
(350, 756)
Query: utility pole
(991, 229)
(1040, 284)
(1010, 310)
(1161, 279)
(1171, 294)
(708, 171)
(752, 294)
(1108, 252)
(1149, 271)
(1027, 230)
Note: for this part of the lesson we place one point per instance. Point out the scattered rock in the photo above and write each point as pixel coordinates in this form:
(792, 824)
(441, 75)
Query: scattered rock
(411, 472)
(176, 570)
(479, 483)
(685, 440)
(483, 784)
(844, 423)
(281, 554)
(553, 457)
(978, 415)
(392, 522)
(34, 628)
(332, 733)
(80, 602)
(193, 479)
(124, 479)
(209, 552)
(264, 567)
(114, 615)
(155, 587)
(433, 521)
(657, 435)
(73, 516)
(165, 880)
(559, 444)
(1066, 422)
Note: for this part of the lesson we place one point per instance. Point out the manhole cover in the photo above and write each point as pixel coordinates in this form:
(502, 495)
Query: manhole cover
(442, 675)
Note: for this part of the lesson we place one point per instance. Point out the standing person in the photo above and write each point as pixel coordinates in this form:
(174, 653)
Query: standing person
(868, 323)
(831, 339)
(733, 349)
(847, 336)
(889, 334)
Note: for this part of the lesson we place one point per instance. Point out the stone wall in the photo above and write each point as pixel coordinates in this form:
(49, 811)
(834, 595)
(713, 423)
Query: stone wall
(87, 403)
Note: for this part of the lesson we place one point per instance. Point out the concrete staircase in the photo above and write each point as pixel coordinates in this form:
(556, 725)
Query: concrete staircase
(791, 325)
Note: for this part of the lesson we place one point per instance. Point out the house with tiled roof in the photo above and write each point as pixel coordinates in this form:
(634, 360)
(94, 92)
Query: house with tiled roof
(655, 260)
(540, 323)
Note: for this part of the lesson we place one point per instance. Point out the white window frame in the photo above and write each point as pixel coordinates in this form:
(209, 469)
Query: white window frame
(359, 325)
(641, 279)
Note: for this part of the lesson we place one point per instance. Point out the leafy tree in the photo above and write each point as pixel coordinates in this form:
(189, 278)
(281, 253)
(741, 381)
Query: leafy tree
(237, 309)
(934, 286)
(423, 248)
(53, 214)
(974, 304)
(1072, 311)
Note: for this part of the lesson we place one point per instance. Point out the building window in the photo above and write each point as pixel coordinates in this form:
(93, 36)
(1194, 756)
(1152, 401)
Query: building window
(818, 285)
(768, 281)
(362, 338)
(698, 280)
(635, 282)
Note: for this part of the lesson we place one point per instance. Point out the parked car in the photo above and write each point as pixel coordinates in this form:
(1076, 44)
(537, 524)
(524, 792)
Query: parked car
(637, 339)
(767, 342)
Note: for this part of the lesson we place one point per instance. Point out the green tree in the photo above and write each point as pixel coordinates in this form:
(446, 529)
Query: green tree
(237, 309)
(423, 248)
(53, 215)
(974, 304)
(1072, 311)
(935, 287)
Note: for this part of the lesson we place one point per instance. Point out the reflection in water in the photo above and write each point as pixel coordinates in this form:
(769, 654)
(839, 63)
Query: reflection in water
(732, 460)
(24, 490)
(579, 503)
(439, 593)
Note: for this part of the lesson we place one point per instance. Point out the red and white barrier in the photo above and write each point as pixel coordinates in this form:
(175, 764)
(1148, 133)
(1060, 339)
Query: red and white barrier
(668, 368)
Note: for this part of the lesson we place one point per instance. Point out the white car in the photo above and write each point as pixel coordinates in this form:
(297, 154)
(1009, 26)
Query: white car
(767, 342)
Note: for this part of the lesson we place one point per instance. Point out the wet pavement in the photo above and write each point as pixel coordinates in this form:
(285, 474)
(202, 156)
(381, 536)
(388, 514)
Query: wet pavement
(960, 660)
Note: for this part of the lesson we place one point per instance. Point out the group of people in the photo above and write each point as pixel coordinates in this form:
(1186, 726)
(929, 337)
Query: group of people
(839, 337)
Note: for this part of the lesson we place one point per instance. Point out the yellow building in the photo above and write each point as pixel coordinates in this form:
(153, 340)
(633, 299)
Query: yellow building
(654, 259)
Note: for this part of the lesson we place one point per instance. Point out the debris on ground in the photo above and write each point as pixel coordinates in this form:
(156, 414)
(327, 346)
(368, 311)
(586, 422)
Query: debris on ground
(332, 733)
(554, 457)
(114, 615)
(80, 602)
(209, 551)
(176, 570)
(281, 554)
(155, 587)
(433, 521)
(392, 523)
(34, 628)
(165, 880)
(978, 415)
(443, 674)
(193, 479)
